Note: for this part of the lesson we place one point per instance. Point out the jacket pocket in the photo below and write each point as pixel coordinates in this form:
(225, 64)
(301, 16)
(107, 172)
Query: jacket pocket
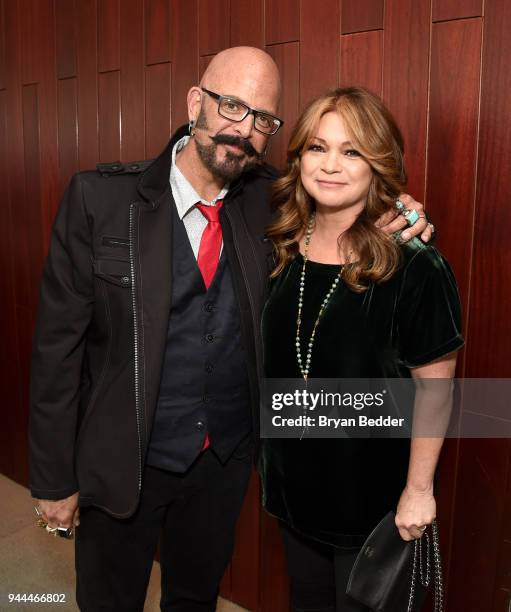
(116, 271)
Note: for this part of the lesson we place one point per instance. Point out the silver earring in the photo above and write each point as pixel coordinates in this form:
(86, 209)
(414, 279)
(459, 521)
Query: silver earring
(191, 125)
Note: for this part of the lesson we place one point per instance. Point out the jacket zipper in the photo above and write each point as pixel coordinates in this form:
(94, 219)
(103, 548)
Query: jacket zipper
(135, 337)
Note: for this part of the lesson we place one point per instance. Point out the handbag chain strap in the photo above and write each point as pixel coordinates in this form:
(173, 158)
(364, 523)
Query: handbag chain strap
(425, 574)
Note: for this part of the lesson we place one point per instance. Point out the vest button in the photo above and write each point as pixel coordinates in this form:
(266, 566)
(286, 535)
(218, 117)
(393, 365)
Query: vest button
(208, 307)
(210, 337)
(199, 426)
(209, 368)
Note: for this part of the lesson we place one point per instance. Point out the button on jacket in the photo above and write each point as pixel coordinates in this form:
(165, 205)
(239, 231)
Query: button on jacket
(102, 324)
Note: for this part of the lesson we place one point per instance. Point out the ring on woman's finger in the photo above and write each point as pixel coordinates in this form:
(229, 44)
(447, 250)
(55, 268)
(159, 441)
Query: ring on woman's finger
(432, 227)
(411, 216)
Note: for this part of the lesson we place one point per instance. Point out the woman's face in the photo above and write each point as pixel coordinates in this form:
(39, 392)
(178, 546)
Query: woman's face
(332, 171)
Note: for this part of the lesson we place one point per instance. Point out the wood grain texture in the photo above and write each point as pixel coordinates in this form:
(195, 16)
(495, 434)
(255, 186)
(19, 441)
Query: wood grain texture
(361, 15)
(109, 116)
(65, 23)
(274, 594)
(28, 213)
(361, 60)
(67, 94)
(2, 46)
(158, 33)
(157, 84)
(282, 21)
(286, 57)
(108, 35)
(245, 564)
(491, 292)
(319, 48)
(247, 23)
(452, 145)
(132, 81)
(9, 359)
(405, 80)
(185, 54)
(204, 61)
(88, 133)
(482, 478)
(444, 10)
(214, 26)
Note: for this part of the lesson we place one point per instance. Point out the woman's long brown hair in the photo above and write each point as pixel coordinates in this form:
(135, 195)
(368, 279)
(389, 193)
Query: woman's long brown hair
(373, 256)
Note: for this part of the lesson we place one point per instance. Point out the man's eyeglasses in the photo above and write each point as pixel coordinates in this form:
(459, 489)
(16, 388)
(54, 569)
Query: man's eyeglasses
(233, 109)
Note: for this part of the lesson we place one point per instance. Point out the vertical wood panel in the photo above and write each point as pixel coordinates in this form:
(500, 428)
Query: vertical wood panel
(109, 116)
(14, 201)
(158, 35)
(88, 138)
(319, 48)
(65, 19)
(479, 514)
(185, 55)
(455, 73)
(286, 57)
(68, 130)
(282, 21)
(362, 60)
(28, 214)
(274, 577)
(247, 23)
(9, 362)
(158, 108)
(132, 80)
(456, 9)
(405, 80)
(214, 26)
(108, 35)
(361, 15)
(245, 561)
(491, 294)
(2, 46)
(204, 61)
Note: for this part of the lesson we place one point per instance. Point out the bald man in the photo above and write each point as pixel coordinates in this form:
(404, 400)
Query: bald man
(147, 351)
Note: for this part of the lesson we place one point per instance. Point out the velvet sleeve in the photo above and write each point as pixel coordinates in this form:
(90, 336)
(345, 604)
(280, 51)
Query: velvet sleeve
(428, 312)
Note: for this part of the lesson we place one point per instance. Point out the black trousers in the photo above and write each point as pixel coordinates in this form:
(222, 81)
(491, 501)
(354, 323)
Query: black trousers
(193, 515)
(319, 574)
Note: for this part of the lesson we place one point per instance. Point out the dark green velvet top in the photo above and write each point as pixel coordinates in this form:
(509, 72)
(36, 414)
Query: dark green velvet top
(337, 490)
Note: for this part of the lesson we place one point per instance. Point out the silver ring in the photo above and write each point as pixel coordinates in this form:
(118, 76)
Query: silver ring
(432, 227)
(400, 206)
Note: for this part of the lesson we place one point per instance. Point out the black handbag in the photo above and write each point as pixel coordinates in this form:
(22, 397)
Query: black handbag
(391, 575)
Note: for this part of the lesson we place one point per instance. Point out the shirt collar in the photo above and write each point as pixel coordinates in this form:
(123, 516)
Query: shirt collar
(184, 194)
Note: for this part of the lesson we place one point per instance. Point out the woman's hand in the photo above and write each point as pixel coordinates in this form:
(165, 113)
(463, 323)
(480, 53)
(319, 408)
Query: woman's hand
(392, 221)
(415, 510)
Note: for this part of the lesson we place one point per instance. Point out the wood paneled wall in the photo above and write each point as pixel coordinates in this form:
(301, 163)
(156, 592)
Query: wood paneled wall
(83, 81)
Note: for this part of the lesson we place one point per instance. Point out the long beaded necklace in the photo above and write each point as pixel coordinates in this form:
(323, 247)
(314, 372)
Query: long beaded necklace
(305, 370)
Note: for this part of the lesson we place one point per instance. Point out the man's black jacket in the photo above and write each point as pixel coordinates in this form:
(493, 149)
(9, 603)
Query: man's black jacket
(102, 325)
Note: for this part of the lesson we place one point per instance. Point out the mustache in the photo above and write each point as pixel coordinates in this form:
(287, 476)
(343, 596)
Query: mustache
(228, 139)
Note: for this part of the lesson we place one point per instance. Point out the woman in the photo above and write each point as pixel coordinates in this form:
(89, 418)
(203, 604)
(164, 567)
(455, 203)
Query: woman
(348, 301)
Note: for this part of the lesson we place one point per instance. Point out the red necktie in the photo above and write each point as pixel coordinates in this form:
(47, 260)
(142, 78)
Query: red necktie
(209, 252)
(211, 242)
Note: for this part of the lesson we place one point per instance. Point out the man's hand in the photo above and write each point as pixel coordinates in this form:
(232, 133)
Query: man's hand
(393, 221)
(60, 513)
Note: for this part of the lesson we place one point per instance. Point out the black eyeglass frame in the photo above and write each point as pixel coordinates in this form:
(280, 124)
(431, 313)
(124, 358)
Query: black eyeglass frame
(249, 111)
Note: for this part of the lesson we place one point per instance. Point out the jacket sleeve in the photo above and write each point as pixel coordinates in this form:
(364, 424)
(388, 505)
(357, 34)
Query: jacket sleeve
(65, 310)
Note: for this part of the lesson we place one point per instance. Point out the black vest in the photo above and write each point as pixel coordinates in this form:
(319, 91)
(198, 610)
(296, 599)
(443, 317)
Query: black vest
(204, 383)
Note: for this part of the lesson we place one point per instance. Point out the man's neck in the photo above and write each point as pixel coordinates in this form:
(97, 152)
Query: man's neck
(201, 179)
